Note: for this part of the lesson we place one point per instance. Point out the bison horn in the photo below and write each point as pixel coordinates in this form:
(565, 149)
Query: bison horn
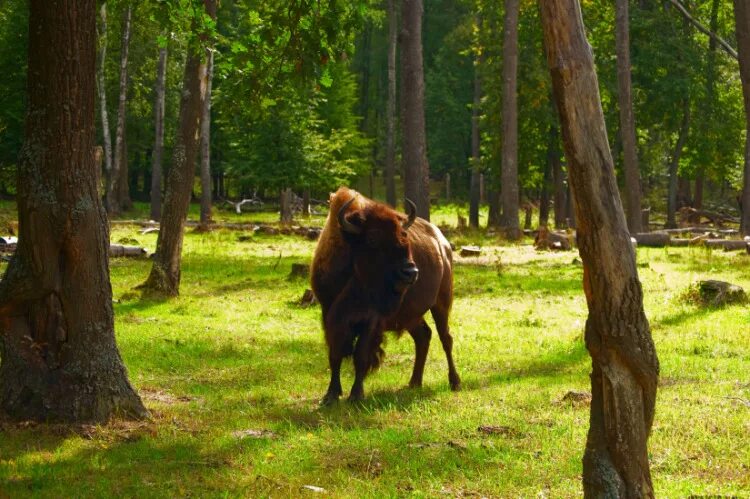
(412, 211)
(345, 224)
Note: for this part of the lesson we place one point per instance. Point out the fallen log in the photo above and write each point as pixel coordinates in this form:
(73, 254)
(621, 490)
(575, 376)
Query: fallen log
(652, 239)
(726, 244)
(118, 250)
(471, 251)
(679, 241)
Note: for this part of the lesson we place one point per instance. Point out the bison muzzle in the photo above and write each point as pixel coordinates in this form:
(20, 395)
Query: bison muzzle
(376, 270)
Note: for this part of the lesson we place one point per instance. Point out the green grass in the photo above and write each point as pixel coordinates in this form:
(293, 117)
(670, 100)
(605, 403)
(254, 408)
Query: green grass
(235, 352)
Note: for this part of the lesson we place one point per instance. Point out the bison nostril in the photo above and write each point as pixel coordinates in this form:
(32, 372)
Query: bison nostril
(409, 274)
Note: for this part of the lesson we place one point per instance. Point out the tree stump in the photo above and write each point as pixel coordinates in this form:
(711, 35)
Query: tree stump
(471, 251)
(300, 271)
(548, 240)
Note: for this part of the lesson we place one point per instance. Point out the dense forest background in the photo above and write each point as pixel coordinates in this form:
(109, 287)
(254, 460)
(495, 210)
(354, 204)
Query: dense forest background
(300, 96)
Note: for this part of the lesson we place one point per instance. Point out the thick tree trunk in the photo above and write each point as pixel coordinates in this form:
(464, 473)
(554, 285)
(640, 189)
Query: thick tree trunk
(684, 197)
(206, 143)
(627, 122)
(113, 205)
(493, 202)
(390, 111)
(156, 157)
(102, 90)
(57, 344)
(509, 178)
(624, 364)
(674, 164)
(165, 272)
(414, 143)
(474, 189)
(306, 208)
(742, 28)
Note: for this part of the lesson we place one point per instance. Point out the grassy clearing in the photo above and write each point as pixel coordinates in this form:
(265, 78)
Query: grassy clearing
(235, 352)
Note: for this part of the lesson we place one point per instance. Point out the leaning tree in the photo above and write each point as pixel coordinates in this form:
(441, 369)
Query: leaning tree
(625, 368)
(59, 360)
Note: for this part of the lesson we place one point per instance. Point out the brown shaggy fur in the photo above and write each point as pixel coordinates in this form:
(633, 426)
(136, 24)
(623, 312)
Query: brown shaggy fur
(352, 278)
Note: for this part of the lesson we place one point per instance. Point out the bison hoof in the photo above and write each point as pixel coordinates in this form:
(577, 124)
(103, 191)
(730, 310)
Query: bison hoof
(456, 386)
(356, 397)
(329, 399)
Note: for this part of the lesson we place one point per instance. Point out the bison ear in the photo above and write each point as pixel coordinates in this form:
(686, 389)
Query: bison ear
(357, 221)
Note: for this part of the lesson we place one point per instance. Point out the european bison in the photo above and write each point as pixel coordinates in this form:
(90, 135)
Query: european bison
(375, 270)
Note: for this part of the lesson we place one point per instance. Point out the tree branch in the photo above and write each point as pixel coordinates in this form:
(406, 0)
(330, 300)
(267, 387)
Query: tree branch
(727, 48)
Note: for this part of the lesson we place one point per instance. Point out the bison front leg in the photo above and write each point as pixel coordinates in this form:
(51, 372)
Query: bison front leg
(421, 335)
(334, 387)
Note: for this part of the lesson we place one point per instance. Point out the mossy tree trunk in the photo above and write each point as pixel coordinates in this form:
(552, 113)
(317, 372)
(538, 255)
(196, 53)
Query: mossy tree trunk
(742, 28)
(624, 364)
(414, 144)
(165, 272)
(156, 158)
(627, 121)
(509, 192)
(59, 357)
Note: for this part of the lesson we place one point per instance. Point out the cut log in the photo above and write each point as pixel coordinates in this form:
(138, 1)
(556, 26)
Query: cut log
(688, 214)
(549, 240)
(726, 244)
(652, 239)
(716, 293)
(471, 251)
(117, 250)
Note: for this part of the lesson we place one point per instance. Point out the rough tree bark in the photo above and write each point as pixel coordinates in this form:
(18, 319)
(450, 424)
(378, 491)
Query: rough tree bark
(627, 122)
(509, 194)
(624, 363)
(474, 194)
(560, 199)
(285, 206)
(156, 157)
(414, 143)
(674, 164)
(59, 357)
(390, 110)
(165, 272)
(710, 93)
(113, 198)
(742, 28)
(101, 86)
(206, 143)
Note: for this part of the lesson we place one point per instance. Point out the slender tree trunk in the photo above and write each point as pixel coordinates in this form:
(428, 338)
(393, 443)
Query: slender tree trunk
(156, 157)
(560, 196)
(710, 93)
(742, 28)
(494, 209)
(165, 272)
(509, 182)
(123, 183)
(206, 143)
(390, 112)
(102, 90)
(474, 191)
(627, 122)
(59, 357)
(113, 188)
(553, 155)
(624, 364)
(306, 209)
(674, 164)
(416, 169)
(684, 197)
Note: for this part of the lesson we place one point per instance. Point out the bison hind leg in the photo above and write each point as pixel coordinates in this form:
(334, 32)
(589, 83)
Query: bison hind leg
(440, 315)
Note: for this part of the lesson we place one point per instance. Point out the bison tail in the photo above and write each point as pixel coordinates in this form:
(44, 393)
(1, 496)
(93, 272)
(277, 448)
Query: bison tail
(377, 354)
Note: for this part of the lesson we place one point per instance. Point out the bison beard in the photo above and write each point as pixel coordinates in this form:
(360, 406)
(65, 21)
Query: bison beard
(364, 274)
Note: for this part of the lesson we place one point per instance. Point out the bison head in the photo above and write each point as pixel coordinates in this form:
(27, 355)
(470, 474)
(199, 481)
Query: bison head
(382, 258)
